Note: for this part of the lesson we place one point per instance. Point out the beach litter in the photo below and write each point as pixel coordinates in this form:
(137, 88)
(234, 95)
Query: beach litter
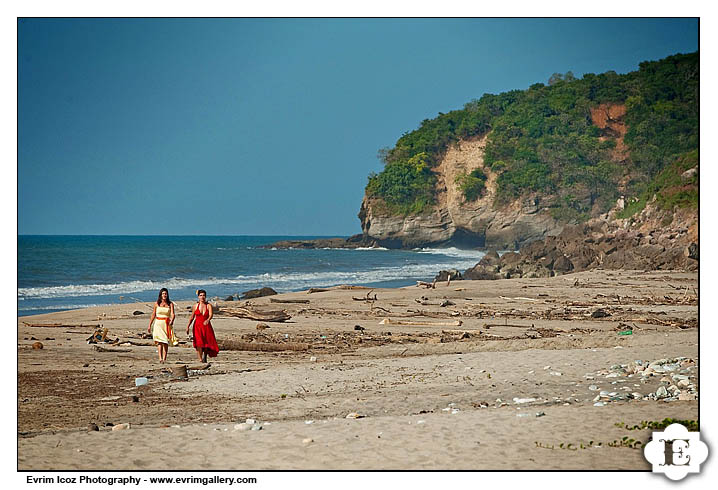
(354, 415)
(141, 381)
(120, 427)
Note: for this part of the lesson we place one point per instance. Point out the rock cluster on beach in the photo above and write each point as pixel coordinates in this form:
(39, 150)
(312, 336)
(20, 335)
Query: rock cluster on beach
(597, 244)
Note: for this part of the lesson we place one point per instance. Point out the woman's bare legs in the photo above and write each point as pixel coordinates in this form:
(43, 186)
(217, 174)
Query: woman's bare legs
(165, 348)
(199, 353)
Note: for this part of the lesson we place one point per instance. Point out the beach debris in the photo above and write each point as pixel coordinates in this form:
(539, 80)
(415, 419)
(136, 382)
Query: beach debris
(427, 285)
(307, 440)
(262, 326)
(527, 414)
(199, 367)
(121, 427)
(135, 399)
(103, 349)
(262, 316)
(389, 321)
(524, 400)
(243, 426)
(63, 325)
(92, 427)
(37, 345)
(317, 290)
(446, 303)
(138, 312)
(354, 415)
(262, 346)
(179, 372)
(555, 373)
(313, 359)
(367, 298)
(141, 381)
(359, 328)
(308, 422)
(276, 300)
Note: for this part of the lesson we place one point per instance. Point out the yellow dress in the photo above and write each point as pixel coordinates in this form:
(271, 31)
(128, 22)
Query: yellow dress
(162, 331)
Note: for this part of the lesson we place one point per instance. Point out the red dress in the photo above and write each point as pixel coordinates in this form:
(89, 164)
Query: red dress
(204, 334)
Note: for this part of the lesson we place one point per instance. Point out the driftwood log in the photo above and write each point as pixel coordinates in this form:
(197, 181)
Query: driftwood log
(262, 346)
(64, 325)
(273, 300)
(102, 349)
(389, 321)
(263, 316)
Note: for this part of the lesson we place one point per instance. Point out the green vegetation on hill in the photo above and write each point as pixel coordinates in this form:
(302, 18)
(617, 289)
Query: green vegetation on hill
(542, 140)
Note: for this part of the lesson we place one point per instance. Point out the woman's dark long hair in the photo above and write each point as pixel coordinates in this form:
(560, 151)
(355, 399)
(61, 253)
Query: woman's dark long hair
(159, 297)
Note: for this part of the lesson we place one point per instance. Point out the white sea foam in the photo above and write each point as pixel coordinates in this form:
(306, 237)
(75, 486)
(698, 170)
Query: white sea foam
(63, 307)
(285, 281)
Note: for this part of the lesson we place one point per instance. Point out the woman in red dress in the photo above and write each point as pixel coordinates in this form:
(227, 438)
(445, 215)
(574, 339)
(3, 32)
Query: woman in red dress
(204, 341)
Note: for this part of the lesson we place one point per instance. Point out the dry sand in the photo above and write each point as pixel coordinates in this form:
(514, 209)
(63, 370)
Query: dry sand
(428, 396)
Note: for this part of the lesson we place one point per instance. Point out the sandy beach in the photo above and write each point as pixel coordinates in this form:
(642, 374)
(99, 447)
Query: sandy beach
(482, 375)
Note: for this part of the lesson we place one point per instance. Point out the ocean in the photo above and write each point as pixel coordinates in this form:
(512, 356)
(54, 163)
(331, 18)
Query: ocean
(58, 273)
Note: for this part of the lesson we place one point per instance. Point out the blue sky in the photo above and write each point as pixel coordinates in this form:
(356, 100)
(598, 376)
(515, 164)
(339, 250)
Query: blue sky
(265, 126)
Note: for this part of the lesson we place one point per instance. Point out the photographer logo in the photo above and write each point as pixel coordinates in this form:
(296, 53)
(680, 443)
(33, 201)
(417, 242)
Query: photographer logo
(676, 452)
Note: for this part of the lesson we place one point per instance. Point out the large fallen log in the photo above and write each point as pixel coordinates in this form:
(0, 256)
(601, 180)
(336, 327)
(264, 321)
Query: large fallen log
(263, 316)
(389, 321)
(273, 300)
(262, 346)
(64, 325)
(102, 349)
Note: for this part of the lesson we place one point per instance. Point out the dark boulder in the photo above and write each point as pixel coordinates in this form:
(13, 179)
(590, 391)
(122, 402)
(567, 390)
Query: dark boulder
(480, 273)
(258, 293)
(562, 264)
(491, 258)
(452, 274)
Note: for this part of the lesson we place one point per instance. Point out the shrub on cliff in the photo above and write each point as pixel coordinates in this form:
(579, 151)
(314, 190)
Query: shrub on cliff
(472, 184)
(406, 186)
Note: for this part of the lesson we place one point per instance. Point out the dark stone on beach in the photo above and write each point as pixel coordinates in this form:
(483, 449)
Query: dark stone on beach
(229, 298)
(481, 273)
(135, 399)
(452, 274)
(510, 260)
(138, 312)
(258, 293)
(599, 313)
(491, 258)
(562, 264)
(92, 427)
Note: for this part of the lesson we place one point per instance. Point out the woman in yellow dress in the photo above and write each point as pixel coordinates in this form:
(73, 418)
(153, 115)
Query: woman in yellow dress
(163, 316)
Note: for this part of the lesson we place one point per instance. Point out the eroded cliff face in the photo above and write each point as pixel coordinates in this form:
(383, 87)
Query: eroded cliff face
(456, 222)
